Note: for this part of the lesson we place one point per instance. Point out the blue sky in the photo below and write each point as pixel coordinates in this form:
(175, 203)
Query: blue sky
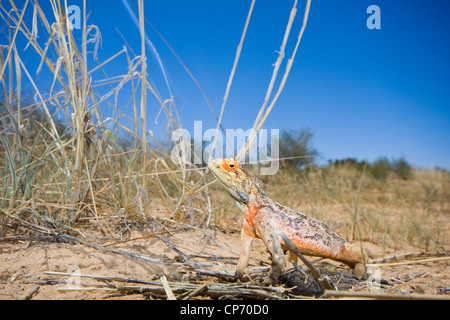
(364, 93)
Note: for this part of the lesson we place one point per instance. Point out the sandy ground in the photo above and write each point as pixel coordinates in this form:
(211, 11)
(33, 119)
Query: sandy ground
(22, 265)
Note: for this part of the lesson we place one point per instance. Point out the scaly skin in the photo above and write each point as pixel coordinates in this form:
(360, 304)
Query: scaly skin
(262, 216)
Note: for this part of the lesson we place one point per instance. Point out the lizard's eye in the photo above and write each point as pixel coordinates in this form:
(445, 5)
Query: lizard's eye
(229, 166)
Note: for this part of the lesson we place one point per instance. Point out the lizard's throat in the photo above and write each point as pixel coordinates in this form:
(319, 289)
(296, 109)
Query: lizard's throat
(238, 196)
(253, 203)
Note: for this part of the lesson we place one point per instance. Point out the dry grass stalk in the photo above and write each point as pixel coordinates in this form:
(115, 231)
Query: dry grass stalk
(391, 264)
(263, 112)
(230, 79)
(11, 44)
(143, 89)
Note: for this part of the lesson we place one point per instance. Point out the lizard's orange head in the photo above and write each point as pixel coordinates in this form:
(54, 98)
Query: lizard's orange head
(236, 180)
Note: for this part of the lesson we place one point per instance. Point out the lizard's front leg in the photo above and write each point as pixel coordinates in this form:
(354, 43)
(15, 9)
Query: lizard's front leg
(274, 246)
(245, 254)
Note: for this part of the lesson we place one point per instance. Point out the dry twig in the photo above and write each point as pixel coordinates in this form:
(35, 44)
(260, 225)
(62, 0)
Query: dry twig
(191, 263)
(30, 295)
(158, 288)
(167, 289)
(382, 296)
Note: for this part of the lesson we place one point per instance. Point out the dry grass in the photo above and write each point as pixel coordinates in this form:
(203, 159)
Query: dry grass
(66, 172)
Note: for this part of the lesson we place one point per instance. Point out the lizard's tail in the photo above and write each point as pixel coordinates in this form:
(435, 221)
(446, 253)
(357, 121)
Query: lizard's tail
(351, 255)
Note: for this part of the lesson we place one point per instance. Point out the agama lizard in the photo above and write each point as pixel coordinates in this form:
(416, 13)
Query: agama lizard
(263, 216)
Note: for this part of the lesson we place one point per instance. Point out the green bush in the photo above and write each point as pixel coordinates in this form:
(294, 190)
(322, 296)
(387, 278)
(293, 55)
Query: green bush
(349, 162)
(380, 168)
(296, 143)
(402, 168)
